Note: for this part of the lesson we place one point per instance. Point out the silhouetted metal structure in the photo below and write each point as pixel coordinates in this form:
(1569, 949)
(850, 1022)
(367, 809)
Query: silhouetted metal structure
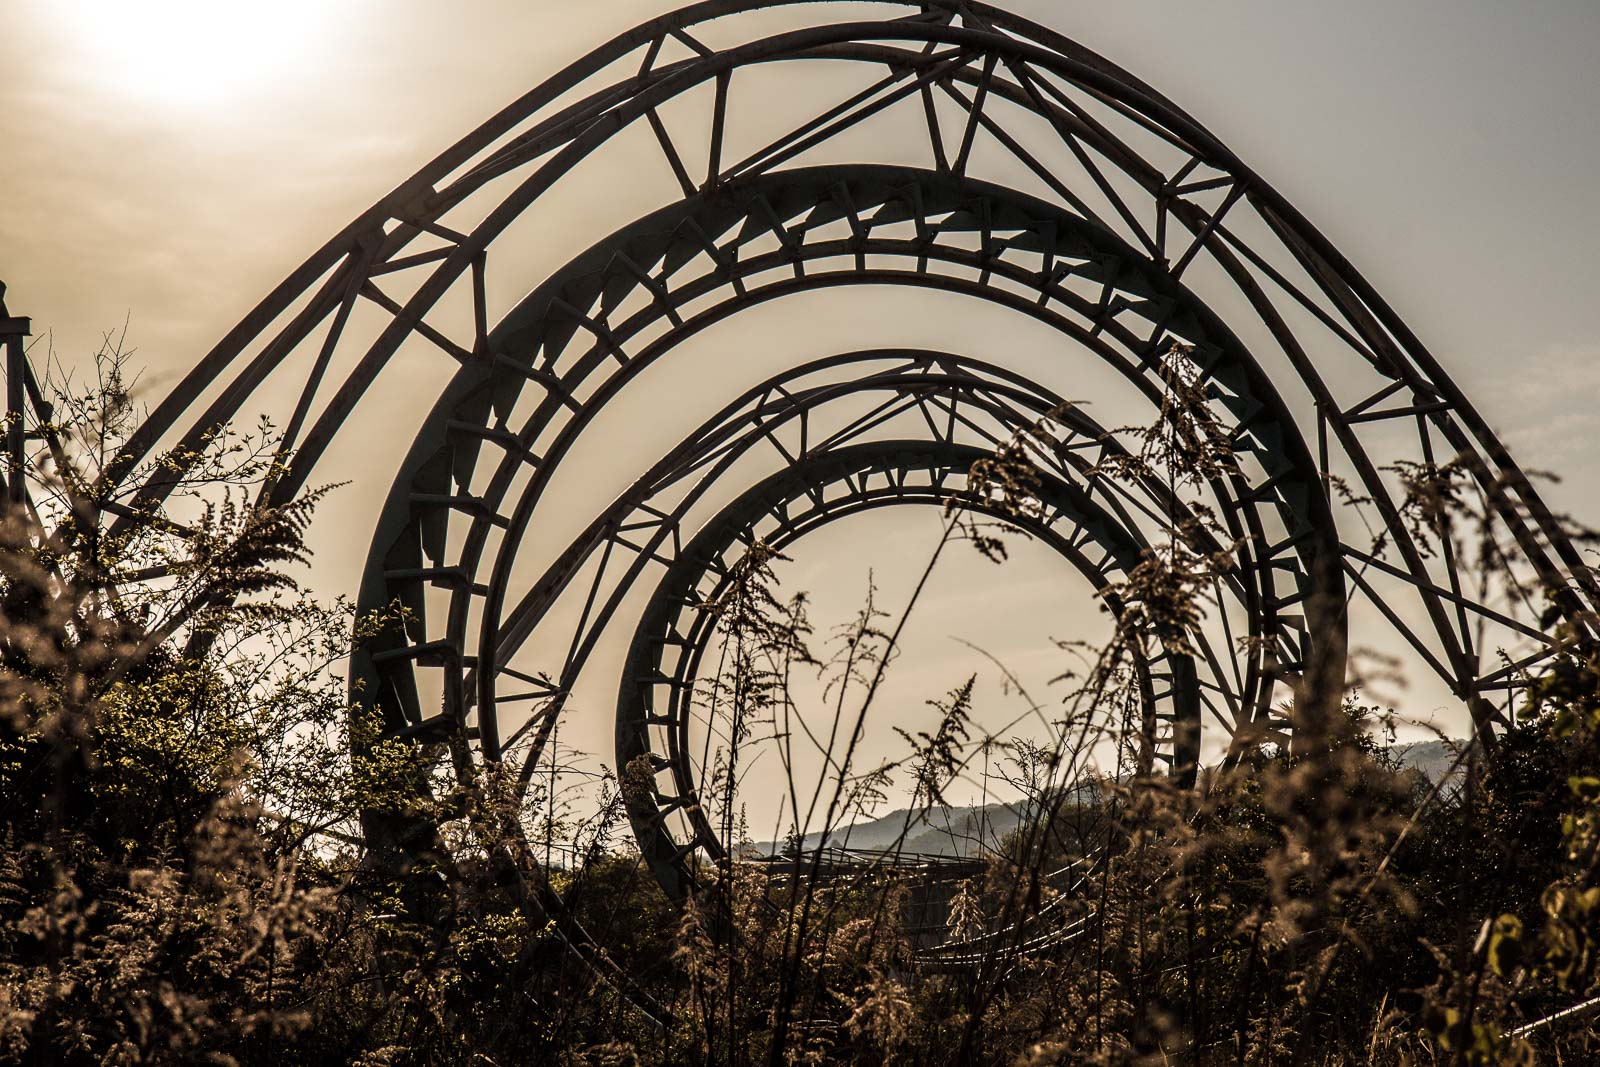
(18, 377)
(940, 145)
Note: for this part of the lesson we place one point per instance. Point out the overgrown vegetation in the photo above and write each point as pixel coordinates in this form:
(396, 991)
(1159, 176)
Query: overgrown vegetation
(183, 781)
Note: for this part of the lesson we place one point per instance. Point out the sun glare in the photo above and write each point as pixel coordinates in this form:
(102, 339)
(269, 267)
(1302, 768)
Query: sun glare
(192, 52)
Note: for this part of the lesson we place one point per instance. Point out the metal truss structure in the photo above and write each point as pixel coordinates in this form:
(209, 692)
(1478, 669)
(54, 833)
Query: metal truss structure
(939, 146)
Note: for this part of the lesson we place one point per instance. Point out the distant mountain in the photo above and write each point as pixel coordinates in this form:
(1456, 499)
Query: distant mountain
(955, 831)
(1433, 758)
(959, 831)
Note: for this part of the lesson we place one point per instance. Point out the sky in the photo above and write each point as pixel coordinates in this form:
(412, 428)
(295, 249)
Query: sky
(167, 163)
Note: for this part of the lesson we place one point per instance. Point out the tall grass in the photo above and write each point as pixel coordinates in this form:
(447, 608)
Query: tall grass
(182, 877)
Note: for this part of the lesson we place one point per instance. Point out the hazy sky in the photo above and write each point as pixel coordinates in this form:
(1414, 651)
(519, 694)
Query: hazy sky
(170, 161)
(173, 165)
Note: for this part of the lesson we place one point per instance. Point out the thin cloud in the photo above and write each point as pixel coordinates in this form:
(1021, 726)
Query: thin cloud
(1547, 409)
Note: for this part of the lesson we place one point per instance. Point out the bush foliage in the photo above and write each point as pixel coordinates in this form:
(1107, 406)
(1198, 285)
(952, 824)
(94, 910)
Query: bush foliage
(183, 782)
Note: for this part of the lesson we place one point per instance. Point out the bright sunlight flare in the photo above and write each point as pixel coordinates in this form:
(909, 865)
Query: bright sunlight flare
(192, 52)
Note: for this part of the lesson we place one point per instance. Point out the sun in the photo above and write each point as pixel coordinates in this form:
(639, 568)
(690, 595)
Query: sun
(192, 52)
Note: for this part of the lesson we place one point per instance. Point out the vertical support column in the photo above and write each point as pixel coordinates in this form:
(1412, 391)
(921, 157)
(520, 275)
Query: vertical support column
(12, 331)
